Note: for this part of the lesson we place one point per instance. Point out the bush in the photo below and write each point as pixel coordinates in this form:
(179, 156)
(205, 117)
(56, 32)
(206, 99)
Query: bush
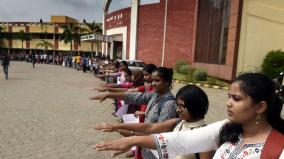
(186, 69)
(200, 75)
(273, 63)
(178, 64)
(212, 81)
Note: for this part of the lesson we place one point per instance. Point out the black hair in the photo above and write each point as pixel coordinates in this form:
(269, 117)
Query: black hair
(116, 64)
(149, 68)
(195, 101)
(124, 63)
(128, 72)
(260, 88)
(165, 73)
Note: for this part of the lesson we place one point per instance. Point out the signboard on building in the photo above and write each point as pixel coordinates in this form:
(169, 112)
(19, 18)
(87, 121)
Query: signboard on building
(96, 37)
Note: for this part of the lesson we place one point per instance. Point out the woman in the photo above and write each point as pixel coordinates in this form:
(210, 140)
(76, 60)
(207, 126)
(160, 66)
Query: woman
(192, 105)
(123, 67)
(160, 104)
(254, 124)
(147, 71)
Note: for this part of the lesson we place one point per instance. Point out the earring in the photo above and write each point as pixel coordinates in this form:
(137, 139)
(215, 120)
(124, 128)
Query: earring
(257, 119)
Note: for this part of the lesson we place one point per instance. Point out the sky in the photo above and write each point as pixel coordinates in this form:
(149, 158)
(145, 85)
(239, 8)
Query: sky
(34, 10)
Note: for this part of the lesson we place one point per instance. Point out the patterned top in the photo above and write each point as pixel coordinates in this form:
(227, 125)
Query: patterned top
(248, 151)
(205, 139)
(152, 113)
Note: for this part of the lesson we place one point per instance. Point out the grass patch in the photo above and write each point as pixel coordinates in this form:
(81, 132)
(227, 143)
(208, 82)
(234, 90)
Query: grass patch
(210, 80)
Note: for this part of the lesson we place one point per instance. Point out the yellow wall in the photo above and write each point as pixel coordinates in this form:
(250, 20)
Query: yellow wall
(35, 42)
(35, 29)
(5, 43)
(63, 46)
(86, 46)
(18, 29)
(62, 19)
(262, 30)
(18, 44)
(4, 27)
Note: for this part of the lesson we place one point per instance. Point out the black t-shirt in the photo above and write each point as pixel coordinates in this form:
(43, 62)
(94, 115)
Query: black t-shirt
(6, 61)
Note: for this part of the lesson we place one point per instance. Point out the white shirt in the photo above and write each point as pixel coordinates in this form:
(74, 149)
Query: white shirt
(204, 139)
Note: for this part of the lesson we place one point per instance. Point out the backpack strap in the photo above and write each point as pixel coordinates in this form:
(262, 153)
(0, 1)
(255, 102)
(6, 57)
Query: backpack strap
(273, 146)
(164, 100)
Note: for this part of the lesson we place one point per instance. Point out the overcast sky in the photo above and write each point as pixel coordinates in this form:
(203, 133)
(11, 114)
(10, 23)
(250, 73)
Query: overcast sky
(34, 10)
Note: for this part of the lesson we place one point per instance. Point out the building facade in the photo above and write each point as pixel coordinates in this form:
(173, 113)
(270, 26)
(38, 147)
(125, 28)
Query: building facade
(225, 37)
(38, 31)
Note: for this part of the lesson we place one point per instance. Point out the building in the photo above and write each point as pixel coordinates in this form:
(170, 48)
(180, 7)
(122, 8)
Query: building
(47, 31)
(225, 37)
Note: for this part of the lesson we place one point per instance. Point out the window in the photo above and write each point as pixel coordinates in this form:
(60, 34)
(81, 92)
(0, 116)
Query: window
(212, 31)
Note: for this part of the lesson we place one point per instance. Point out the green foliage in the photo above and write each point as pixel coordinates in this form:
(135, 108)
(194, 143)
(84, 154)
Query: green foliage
(200, 75)
(91, 28)
(70, 34)
(45, 44)
(211, 81)
(178, 64)
(179, 76)
(273, 63)
(186, 69)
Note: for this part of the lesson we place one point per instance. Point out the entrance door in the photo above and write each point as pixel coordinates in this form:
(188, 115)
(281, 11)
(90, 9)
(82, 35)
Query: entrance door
(117, 50)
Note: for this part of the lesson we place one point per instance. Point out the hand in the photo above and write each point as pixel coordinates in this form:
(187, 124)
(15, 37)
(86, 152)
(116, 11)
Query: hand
(125, 133)
(119, 146)
(139, 113)
(99, 97)
(101, 89)
(104, 127)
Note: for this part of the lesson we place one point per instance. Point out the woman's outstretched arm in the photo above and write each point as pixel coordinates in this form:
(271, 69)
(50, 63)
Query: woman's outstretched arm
(102, 97)
(145, 128)
(124, 144)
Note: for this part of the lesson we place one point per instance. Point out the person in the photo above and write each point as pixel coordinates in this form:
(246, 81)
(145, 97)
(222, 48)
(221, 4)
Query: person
(122, 67)
(33, 59)
(147, 71)
(192, 105)
(254, 128)
(5, 64)
(160, 104)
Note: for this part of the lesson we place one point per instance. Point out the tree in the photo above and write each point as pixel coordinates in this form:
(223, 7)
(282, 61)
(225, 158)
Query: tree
(22, 36)
(70, 34)
(45, 45)
(92, 28)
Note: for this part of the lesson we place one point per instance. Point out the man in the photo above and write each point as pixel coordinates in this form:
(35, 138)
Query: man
(5, 64)
(33, 60)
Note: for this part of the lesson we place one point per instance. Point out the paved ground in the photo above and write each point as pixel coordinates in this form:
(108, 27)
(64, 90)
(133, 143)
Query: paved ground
(45, 113)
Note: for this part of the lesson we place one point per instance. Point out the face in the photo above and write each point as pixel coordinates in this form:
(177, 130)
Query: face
(147, 77)
(127, 78)
(158, 83)
(240, 107)
(122, 67)
(182, 111)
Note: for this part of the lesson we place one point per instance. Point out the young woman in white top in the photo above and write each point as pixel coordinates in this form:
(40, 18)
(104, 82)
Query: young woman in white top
(254, 117)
